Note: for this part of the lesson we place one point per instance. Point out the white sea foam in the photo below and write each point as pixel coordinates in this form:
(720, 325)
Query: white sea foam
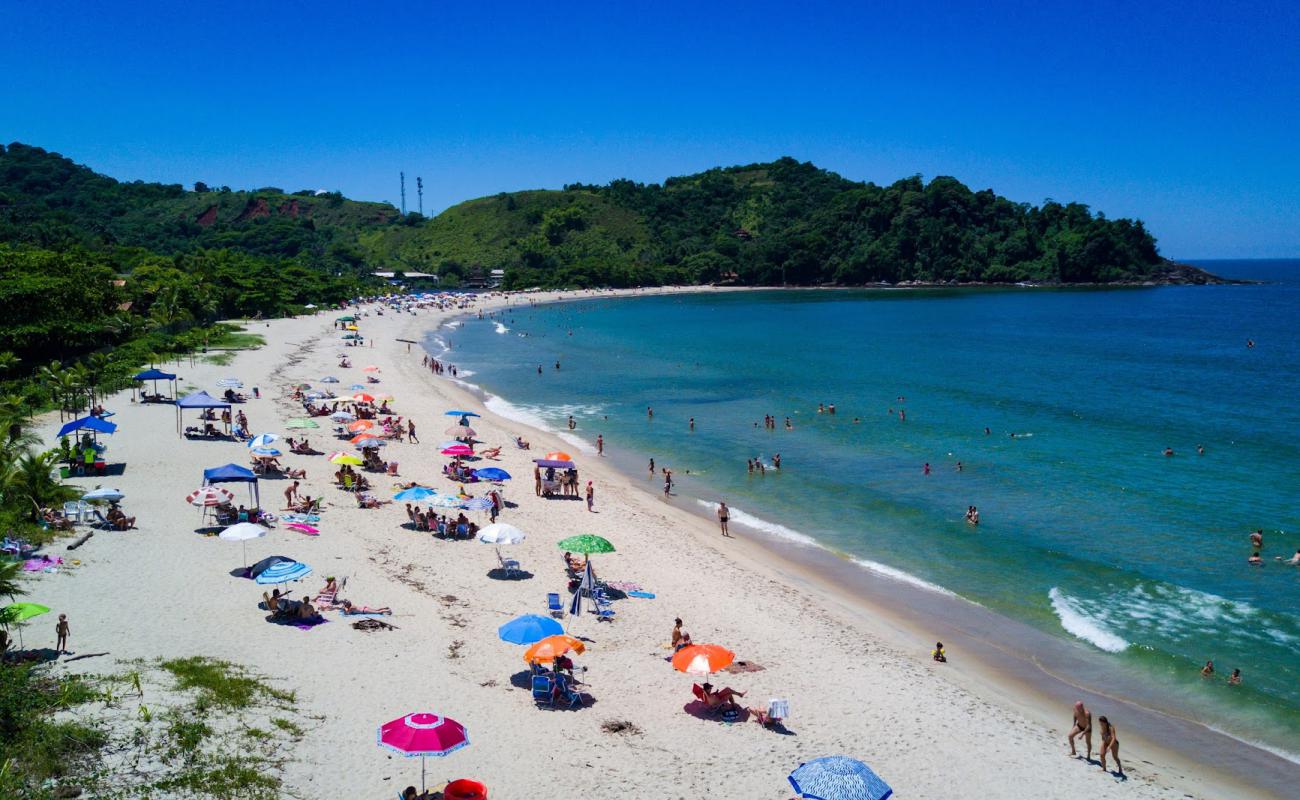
(1075, 620)
(578, 442)
(455, 323)
(901, 576)
(464, 373)
(501, 328)
(742, 517)
(504, 408)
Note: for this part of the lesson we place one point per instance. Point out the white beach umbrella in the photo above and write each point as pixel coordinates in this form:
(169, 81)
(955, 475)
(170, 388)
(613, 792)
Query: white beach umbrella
(343, 416)
(501, 533)
(242, 532)
(109, 495)
(230, 383)
(263, 440)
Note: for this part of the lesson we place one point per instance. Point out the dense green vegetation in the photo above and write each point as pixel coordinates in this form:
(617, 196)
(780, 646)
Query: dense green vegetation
(103, 276)
(783, 222)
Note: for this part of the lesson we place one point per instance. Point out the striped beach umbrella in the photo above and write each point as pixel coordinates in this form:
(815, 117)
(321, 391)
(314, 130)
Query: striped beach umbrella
(421, 735)
(209, 496)
(283, 572)
(838, 778)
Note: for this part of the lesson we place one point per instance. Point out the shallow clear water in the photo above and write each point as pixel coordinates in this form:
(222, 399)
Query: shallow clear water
(1087, 529)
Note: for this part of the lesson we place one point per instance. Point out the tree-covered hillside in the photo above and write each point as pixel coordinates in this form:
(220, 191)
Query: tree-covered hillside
(772, 223)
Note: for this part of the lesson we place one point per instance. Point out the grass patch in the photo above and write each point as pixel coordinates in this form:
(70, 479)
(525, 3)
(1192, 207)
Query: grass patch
(221, 359)
(287, 726)
(221, 684)
(236, 340)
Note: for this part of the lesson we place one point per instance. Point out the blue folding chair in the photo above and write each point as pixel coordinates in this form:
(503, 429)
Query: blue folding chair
(602, 606)
(553, 604)
(543, 689)
(566, 691)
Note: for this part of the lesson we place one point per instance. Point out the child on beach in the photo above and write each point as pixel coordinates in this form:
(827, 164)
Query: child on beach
(61, 631)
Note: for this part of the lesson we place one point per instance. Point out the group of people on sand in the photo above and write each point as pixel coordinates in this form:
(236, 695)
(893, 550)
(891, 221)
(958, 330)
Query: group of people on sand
(441, 525)
(715, 700)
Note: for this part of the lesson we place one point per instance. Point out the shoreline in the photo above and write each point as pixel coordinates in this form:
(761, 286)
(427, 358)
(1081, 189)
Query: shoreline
(855, 678)
(917, 612)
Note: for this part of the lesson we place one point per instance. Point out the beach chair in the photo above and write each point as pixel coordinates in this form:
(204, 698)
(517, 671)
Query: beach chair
(554, 605)
(543, 690)
(602, 606)
(100, 521)
(510, 565)
(75, 510)
(564, 688)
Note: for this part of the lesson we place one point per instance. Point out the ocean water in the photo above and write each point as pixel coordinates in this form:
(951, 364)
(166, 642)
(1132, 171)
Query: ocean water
(1088, 531)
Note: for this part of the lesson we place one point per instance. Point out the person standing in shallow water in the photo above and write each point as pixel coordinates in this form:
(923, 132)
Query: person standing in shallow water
(600, 446)
(724, 516)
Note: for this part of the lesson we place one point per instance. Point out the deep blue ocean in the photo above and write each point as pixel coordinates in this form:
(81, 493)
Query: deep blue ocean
(1088, 530)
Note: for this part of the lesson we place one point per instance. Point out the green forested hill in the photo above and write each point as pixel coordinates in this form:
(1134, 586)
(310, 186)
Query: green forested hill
(771, 223)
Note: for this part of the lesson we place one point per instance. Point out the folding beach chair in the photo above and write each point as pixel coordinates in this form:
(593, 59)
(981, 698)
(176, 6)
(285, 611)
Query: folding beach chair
(554, 605)
(543, 689)
(510, 565)
(602, 607)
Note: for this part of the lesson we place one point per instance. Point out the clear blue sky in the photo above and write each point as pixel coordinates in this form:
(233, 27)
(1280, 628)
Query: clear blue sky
(1185, 114)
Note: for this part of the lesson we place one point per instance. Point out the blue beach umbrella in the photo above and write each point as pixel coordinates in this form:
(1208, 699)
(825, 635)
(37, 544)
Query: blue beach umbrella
(356, 387)
(477, 504)
(528, 629)
(268, 452)
(492, 474)
(459, 414)
(416, 493)
(230, 383)
(283, 572)
(329, 379)
(838, 778)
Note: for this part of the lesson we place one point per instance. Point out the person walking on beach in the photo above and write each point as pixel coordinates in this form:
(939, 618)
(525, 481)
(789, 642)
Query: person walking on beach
(61, 631)
(600, 444)
(668, 483)
(537, 480)
(1082, 727)
(724, 516)
(410, 432)
(1110, 744)
(591, 497)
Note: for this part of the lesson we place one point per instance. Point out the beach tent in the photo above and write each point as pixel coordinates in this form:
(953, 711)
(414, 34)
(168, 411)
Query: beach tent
(92, 424)
(156, 375)
(233, 473)
(200, 400)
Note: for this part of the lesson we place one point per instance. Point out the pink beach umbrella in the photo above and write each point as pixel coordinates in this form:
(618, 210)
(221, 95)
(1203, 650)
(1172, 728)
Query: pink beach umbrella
(423, 734)
(459, 450)
(209, 496)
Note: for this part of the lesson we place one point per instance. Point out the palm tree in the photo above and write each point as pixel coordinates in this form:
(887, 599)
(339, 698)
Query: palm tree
(97, 365)
(8, 361)
(10, 586)
(33, 478)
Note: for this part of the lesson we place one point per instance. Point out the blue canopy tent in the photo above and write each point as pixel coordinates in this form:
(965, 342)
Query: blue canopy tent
(93, 424)
(233, 473)
(197, 400)
(156, 375)
(83, 458)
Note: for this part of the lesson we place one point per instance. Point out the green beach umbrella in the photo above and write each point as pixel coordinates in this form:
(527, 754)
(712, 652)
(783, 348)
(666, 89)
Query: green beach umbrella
(301, 422)
(17, 612)
(585, 544)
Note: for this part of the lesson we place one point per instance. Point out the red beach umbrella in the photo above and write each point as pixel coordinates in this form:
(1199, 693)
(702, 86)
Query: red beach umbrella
(209, 496)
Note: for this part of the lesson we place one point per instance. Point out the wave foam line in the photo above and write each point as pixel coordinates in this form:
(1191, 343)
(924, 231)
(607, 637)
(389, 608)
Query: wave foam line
(504, 408)
(1077, 622)
(501, 328)
(780, 531)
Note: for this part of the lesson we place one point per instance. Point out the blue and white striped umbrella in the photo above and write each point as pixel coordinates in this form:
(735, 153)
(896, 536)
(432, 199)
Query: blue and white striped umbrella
(444, 501)
(265, 452)
(230, 383)
(477, 504)
(369, 444)
(415, 493)
(838, 778)
(283, 572)
(263, 440)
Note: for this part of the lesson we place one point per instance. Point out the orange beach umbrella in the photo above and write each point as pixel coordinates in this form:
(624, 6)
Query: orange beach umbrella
(702, 659)
(559, 455)
(361, 425)
(552, 646)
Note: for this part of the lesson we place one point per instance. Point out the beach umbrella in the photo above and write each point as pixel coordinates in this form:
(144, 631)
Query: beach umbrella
(702, 659)
(557, 645)
(345, 458)
(450, 443)
(357, 387)
(343, 416)
(422, 735)
(283, 572)
(301, 422)
(460, 430)
(585, 544)
(302, 386)
(558, 456)
(361, 425)
(370, 443)
(18, 612)
(370, 368)
(529, 629)
(329, 379)
(209, 496)
(477, 504)
(314, 395)
(459, 414)
(242, 532)
(263, 440)
(458, 450)
(352, 336)
(362, 397)
(230, 383)
(107, 495)
(492, 474)
(500, 533)
(415, 493)
(838, 778)
(361, 437)
(265, 452)
(445, 501)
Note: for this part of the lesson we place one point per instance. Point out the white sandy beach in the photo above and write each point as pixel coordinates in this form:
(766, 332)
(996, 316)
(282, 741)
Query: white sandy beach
(857, 684)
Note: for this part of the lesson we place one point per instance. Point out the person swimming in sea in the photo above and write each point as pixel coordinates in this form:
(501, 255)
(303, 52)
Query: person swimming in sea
(1255, 560)
(1169, 451)
(1257, 539)
(1235, 678)
(1207, 671)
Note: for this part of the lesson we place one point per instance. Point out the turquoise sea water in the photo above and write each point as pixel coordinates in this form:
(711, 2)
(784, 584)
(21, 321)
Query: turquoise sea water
(1088, 531)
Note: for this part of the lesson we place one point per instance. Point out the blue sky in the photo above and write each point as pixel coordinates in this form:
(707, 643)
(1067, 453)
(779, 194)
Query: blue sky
(1186, 115)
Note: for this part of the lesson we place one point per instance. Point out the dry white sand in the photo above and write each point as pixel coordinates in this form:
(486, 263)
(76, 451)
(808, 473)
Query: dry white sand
(164, 590)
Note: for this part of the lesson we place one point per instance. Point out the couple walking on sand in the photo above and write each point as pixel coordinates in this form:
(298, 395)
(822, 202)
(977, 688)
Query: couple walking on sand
(1109, 737)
